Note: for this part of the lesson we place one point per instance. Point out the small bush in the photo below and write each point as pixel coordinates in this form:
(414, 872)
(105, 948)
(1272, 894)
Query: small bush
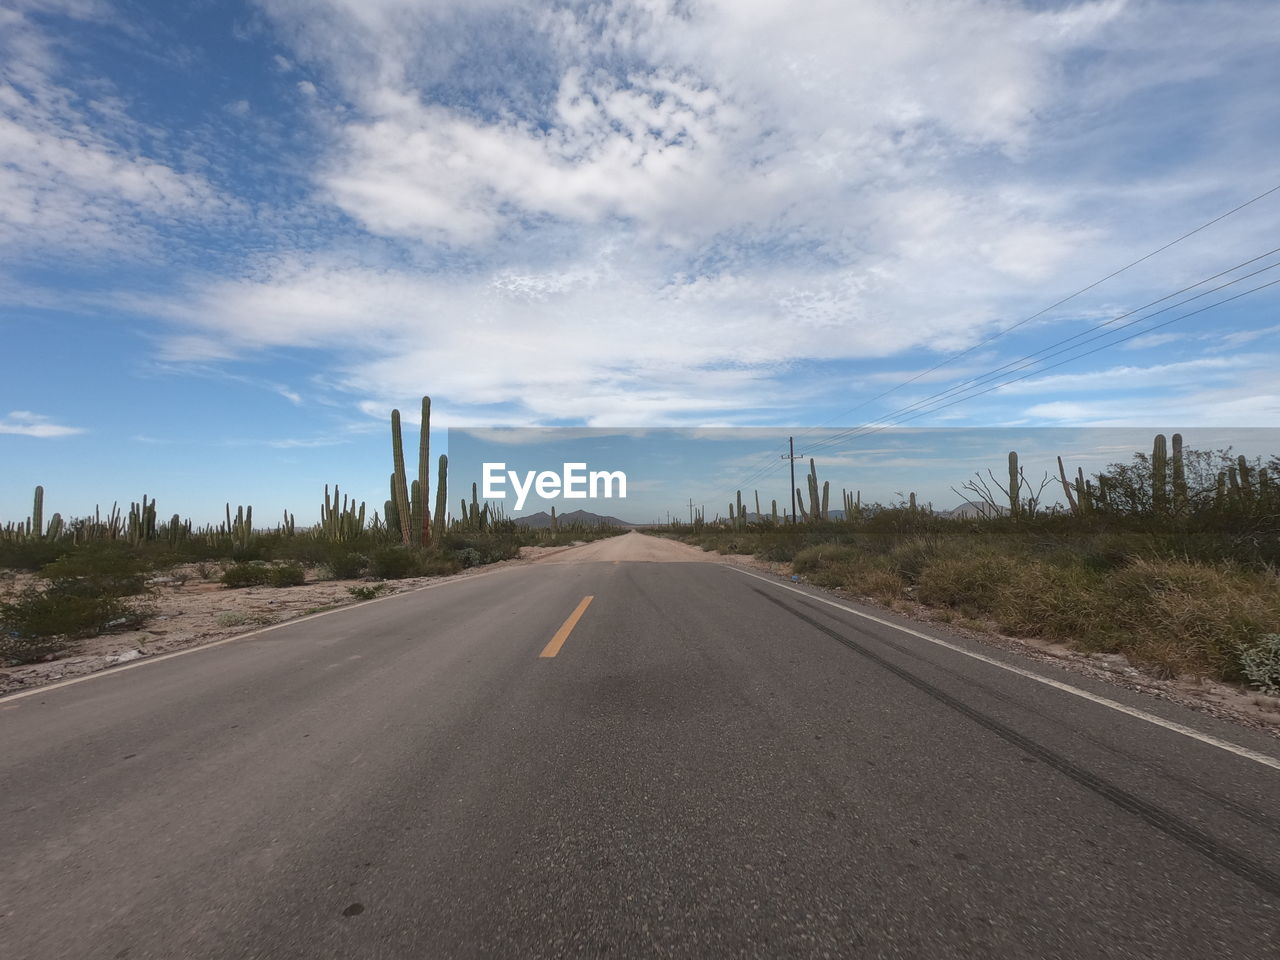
(101, 569)
(393, 563)
(1260, 664)
(238, 618)
(245, 575)
(62, 609)
(289, 575)
(437, 564)
(344, 565)
(368, 592)
(30, 555)
(469, 557)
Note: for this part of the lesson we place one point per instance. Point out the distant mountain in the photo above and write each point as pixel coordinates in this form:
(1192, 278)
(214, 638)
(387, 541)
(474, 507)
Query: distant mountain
(542, 519)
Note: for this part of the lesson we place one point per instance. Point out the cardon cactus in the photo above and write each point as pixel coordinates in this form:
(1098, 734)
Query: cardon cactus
(1160, 475)
(1179, 469)
(399, 484)
(442, 486)
(1015, 485)
(37, 513)
(422, 487)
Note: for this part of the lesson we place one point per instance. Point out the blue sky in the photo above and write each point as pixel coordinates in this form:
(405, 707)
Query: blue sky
(234, 235)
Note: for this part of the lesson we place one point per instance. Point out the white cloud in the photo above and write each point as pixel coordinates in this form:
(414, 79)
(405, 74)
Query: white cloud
(651, 211)
(67, 181)
(27, 424)
(663, 207)
(1177, 375)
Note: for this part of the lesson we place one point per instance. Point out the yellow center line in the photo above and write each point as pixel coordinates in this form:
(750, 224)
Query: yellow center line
(552, 648)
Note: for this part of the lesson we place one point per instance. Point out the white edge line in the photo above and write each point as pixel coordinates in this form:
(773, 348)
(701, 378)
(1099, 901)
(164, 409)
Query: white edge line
(1194, 734)
(146, 661)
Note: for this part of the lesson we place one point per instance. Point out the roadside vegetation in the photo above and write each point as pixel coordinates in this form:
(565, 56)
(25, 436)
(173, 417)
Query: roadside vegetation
(84, 576)
(1173, 563)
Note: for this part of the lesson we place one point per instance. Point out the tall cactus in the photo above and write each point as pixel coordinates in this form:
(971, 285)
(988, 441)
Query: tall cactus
(442, 487)
(399, 485)
(1015, 486)
(422, 530)
(1160, 475)
(37, 513)
(1180, 497)
(815, 497)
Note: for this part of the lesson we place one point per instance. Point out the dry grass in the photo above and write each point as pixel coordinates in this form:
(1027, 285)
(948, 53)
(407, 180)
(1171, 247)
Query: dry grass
(1175, 616)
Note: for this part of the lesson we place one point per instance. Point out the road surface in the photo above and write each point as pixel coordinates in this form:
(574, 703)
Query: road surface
(711, 764)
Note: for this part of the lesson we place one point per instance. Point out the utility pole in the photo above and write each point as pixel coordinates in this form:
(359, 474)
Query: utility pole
(791, 446)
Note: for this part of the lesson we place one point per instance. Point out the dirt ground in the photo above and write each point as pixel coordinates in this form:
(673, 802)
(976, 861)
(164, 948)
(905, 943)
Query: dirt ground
(198, 612)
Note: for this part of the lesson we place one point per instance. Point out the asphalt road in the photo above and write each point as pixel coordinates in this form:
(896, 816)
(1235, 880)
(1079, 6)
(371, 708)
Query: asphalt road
(712, 764)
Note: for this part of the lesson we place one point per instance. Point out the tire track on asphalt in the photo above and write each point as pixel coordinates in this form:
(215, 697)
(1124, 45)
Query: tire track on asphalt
(1167, 823)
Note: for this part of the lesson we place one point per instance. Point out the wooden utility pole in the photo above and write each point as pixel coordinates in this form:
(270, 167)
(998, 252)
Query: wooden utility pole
(791, 446)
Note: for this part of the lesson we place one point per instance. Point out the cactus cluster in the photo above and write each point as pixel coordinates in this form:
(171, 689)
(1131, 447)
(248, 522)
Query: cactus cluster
(240, 530)
(340, 521)
(408, 511)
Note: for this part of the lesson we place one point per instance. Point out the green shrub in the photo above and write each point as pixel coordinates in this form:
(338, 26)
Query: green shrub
(393, 563)
(30, 555)
(63, 609)
(1260, 664)
(108, 569)
(346, 565)
(288, 575)
(438, 564)
(245, 575)
(369, 592)
(469, 557)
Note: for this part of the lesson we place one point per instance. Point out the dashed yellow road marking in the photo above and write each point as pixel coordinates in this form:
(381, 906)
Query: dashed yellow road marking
(552, 648)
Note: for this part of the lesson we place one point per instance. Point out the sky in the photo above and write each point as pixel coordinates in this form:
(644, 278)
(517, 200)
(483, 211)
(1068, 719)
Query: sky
(235, 235)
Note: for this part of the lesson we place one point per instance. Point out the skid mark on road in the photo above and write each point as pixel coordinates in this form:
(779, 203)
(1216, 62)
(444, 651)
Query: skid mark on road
(1254, 755)
(1167, 823)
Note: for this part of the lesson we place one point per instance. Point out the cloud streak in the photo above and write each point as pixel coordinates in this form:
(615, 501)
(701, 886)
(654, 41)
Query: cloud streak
(24, 423)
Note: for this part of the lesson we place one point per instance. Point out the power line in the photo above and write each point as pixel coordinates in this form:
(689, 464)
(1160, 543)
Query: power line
(1022, 362)
(876, 429)
(1052, 306)
(770, 466)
